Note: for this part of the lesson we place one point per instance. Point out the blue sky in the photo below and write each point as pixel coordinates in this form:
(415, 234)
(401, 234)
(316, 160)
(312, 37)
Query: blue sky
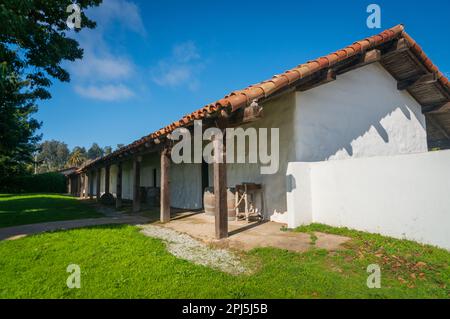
(148, 63)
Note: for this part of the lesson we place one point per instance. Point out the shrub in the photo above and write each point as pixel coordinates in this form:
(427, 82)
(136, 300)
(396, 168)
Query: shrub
(40, 183)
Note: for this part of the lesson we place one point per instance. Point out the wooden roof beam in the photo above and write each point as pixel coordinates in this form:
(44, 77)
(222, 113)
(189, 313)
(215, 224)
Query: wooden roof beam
(443, 108)
(440, 108)
(401, 45)
(427, 78)
(438, 126)
(328, 76)
(366, 58)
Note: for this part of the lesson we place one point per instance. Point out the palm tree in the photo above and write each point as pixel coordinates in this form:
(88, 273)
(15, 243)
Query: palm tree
(77, 158)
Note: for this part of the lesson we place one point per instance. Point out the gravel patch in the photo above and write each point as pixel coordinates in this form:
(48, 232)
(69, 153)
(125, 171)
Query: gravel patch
(185, 247)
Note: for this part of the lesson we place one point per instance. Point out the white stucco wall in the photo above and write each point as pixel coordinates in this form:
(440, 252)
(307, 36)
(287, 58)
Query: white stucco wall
(102, 181)
(113, 179)
(360, 114)
(148, 164)
(94, 183)
(127, 180)
(403, 196)
(278, 113)
(185, 182)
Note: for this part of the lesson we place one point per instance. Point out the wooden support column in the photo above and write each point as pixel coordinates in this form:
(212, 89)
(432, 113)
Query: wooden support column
(91, 185)
(119, 186)
(137, 184)
(165, 187)
(81, 185)
(85, 185)
(77, 188)
(69, 184)
(107, 170)
(97, 179)
(220, 189)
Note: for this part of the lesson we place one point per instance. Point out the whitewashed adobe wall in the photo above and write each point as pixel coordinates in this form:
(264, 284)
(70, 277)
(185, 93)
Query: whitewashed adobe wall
(360, 114)
(148, 164)
(403, 196)
(186, 186)
(278, 113)
(185, 181)
(127, 180)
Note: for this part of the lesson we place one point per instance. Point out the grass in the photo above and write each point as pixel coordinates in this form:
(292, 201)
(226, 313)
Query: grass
(404, 263)
(119, 262)
(24, 209)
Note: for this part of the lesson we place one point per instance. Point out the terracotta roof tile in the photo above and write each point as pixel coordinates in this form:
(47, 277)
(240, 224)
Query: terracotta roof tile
(342, 54)
(333, 58)
(323, 62)
(242, 98)
(268, 87)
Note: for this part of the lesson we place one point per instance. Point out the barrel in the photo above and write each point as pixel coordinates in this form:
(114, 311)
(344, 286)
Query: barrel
(209, 203)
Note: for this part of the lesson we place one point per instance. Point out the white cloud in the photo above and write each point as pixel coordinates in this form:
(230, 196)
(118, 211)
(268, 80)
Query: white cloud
(185, 52)
(126, 13)
(103, 67)
(180, 68)
(172, 75)
(103, 72)
(107, 92)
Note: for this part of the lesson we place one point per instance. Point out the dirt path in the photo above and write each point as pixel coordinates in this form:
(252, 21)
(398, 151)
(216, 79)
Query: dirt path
(15, 232)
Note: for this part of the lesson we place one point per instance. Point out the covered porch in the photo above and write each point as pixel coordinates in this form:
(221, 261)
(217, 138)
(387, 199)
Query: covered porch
(143, 181)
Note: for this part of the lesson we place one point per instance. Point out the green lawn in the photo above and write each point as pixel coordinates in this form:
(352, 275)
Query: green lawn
(36, 208)
(119, 262)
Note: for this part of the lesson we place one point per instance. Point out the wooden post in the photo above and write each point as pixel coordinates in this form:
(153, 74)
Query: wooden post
(107, 170)
(77, 186)
(85, 185)
(97, 179)
(165, 187)
(119, 186)
(220, 189)
(81, 186)
(137, 184)
(69, 184)
(91, 185)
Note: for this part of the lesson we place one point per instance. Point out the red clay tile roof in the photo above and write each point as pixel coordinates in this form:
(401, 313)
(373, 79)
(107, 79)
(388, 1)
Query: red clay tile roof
(242, 98)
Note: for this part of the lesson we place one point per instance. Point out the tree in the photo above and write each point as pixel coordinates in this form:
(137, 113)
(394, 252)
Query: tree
(52, 155)
(119, 146)
(33, 44)
(94, 151)
(77, 157)
(17, 128)
(107, 150)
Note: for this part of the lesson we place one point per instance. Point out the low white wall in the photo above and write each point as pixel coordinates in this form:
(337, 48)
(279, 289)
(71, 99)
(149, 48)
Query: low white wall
(403, 196)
